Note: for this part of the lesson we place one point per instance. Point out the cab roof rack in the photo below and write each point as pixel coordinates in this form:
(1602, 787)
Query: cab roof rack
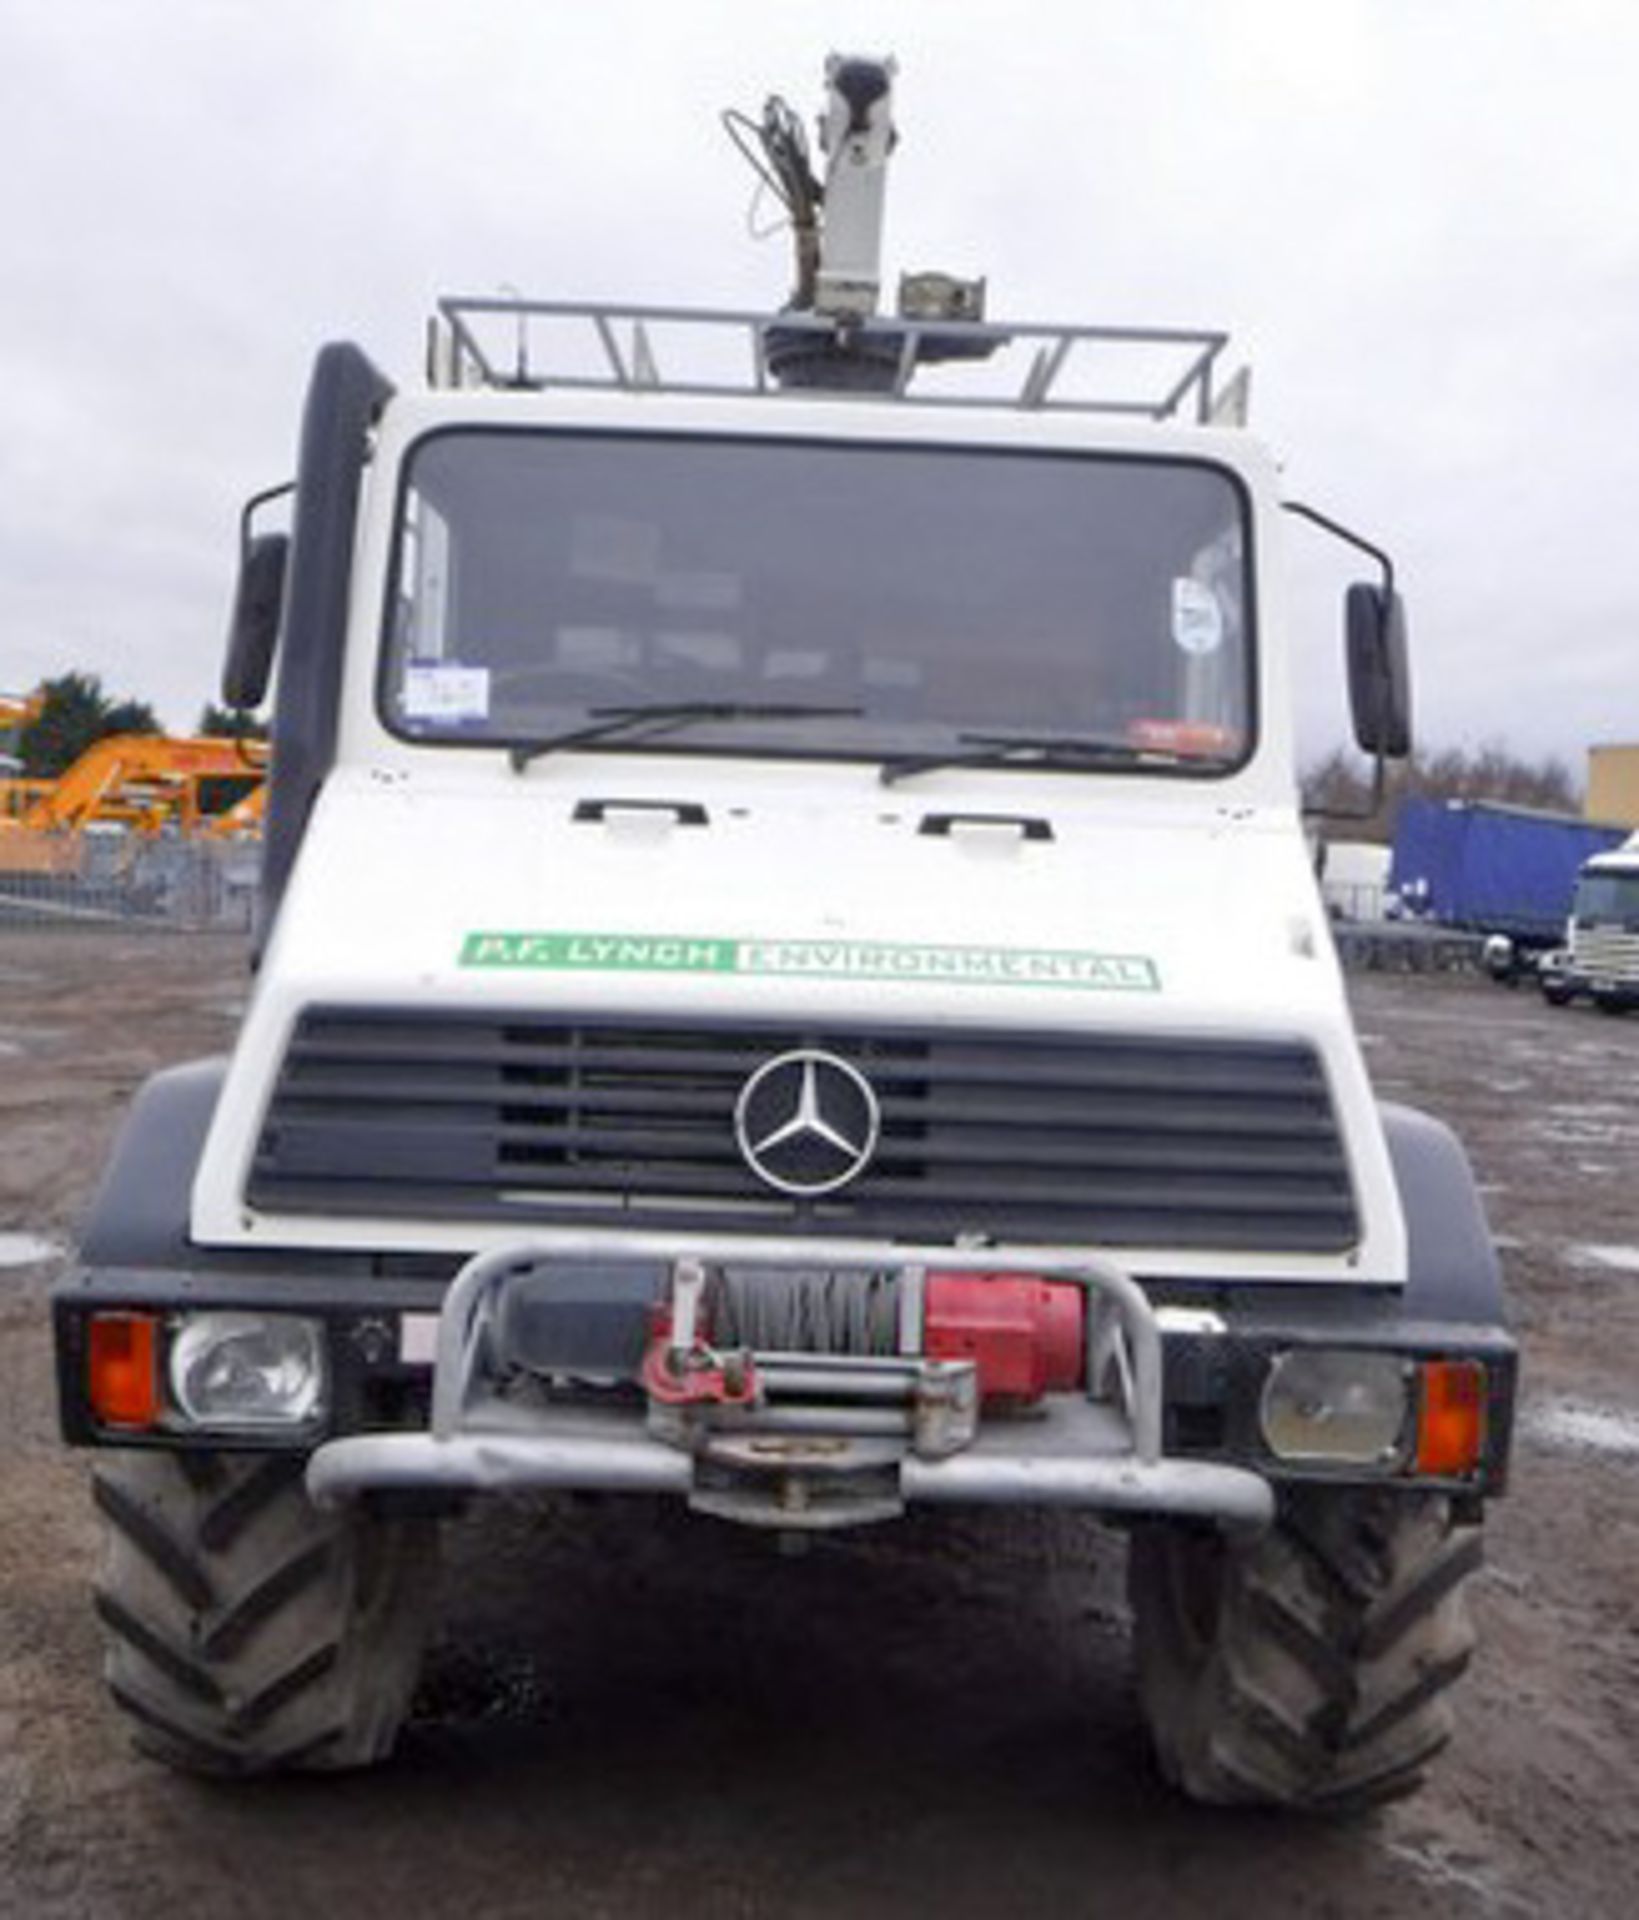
(507, 342)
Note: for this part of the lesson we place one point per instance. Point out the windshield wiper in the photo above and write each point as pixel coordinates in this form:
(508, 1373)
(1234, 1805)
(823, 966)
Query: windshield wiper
(1027, 750)
(665, 716)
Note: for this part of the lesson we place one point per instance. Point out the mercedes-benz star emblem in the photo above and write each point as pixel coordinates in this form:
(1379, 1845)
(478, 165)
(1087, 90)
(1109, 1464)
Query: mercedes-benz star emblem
(807, 1122)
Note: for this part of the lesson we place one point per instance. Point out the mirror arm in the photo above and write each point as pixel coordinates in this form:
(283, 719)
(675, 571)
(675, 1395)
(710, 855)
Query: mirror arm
(1348, 535)
(253, 506)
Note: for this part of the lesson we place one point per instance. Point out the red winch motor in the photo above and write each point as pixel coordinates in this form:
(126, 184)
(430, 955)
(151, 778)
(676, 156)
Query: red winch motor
(1027, 1336)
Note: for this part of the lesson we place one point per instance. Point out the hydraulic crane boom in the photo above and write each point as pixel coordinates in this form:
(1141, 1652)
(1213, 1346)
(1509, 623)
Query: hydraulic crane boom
(856, 136)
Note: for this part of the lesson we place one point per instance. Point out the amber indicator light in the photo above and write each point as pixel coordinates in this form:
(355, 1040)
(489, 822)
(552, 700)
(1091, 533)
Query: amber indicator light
(122, 1369)
(1451, 1418)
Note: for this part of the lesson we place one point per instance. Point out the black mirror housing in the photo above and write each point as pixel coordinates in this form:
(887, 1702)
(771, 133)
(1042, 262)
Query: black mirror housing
(1379, 673)
(253, 631)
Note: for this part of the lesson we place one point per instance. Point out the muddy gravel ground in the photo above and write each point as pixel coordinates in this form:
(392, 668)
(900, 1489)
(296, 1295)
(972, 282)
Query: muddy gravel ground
(628, 1714)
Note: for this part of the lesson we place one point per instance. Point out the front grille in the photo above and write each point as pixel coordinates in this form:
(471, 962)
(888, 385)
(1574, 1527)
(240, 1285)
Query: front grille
(1606, 953)
(1091, 1139)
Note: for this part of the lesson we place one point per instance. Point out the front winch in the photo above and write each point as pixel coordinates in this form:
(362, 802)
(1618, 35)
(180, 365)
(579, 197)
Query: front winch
(802, 1439)
(546, 1378)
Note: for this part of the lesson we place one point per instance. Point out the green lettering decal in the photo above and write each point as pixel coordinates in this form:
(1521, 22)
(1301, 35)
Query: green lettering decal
(601, 952)
(832, 959)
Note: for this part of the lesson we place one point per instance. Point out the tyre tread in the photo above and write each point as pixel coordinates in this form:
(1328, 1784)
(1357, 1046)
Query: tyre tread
(237, 1620)
(163, 1550)
(247, 1631)
(1336, 1639)
(156, 1649)
(238, 1506)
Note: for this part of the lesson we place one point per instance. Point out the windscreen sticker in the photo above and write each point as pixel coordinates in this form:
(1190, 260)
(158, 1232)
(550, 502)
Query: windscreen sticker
(1197, 617)
(814, 959)
(445, 691)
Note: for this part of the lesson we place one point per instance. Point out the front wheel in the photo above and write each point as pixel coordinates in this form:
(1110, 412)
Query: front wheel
(247, 1631)
(1309, 1668)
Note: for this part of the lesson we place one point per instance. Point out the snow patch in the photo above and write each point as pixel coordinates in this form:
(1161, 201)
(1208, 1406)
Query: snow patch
(1573, 1423)
(1621, 1259)
(26, 1249)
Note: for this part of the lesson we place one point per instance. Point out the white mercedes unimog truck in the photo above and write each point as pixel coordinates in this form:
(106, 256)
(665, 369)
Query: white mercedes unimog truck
(789, 979)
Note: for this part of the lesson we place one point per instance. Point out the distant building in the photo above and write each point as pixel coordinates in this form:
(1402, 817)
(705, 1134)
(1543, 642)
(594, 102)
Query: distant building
(1354, 878)
(1613, 785)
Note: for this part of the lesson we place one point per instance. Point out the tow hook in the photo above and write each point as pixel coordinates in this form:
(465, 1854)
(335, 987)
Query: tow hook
(682, 1371)
(700, 1376)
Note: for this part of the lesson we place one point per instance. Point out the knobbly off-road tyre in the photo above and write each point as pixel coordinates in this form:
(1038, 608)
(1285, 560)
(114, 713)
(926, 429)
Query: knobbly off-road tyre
(1309, 1668)
(246, 1631)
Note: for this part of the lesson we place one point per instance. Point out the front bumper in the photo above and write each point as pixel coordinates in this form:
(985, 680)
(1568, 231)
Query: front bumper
(1076, 1455)
(805, 1466)
(1171, 1428)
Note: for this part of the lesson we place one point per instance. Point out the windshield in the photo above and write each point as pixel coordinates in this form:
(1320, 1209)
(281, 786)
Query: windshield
(1607, 897)
(917, 594)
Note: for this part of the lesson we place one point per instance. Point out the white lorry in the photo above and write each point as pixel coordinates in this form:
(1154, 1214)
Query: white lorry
(790, 979)
(1600, 957)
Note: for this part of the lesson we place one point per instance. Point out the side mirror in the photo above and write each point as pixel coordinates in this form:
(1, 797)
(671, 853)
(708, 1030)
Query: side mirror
(1379, 677)
(253, 631)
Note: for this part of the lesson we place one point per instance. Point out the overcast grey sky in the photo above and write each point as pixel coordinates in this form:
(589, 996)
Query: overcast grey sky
(1420, 219)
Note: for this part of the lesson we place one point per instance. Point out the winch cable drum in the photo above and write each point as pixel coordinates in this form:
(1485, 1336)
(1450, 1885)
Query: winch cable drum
(785, 1310)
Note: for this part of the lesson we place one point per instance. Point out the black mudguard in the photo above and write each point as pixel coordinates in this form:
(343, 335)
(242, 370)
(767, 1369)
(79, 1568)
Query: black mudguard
(1453, 1275)
(139, 1215)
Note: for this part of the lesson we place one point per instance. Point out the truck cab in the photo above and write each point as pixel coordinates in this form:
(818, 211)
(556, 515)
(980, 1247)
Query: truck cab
(1602, 939)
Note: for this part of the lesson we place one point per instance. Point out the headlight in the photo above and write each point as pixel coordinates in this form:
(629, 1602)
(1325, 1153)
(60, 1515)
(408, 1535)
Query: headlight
(248, 1370)
(1334, 1407)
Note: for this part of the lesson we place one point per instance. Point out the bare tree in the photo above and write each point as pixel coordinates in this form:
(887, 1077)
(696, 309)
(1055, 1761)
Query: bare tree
(1340, 782)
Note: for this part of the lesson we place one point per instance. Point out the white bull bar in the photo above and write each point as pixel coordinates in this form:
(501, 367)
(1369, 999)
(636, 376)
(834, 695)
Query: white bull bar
(1102, 1451)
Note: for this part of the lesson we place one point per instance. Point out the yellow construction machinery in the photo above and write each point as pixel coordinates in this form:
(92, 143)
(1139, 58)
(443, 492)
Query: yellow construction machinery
(142, 784)
(18, 709)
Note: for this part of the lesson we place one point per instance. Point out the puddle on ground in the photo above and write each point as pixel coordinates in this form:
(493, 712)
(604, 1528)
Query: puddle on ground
(467, 1684)
(1618, 1259)
(1587, 1429)
(26, 1249)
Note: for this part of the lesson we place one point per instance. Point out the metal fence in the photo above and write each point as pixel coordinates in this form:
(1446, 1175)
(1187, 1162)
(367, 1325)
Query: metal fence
(1405, 946)
(118, 879)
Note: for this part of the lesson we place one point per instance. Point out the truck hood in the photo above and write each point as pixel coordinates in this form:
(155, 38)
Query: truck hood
(614, 890)
(1176, 915)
